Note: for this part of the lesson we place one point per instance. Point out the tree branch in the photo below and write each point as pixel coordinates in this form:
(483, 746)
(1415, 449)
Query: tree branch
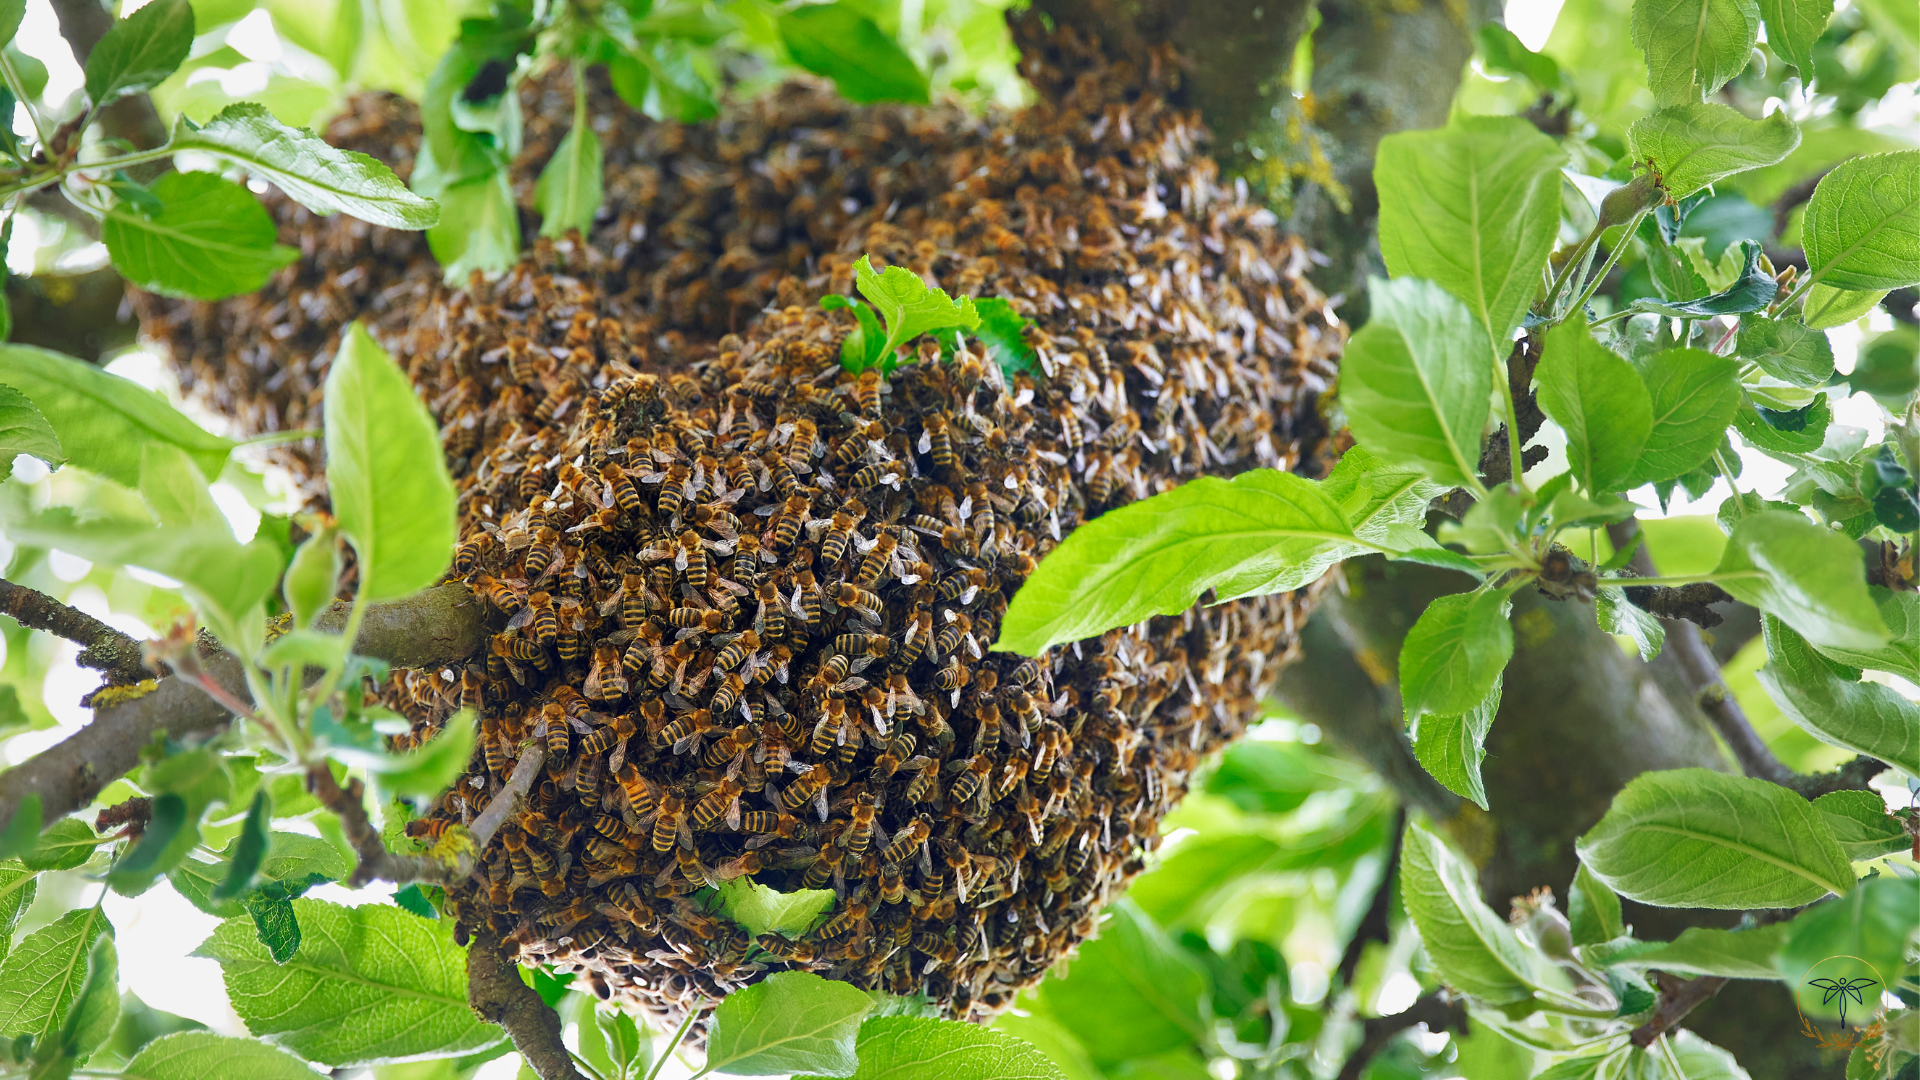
(1697, 666)
(1853, 776)
(439, 626)
(1432, 1010)
(499, 996)
(106, 649)
(133, 118)
(377, 863)
(1678, 997)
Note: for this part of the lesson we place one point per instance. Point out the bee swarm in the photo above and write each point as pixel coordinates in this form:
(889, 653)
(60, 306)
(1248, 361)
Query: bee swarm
(745, 598)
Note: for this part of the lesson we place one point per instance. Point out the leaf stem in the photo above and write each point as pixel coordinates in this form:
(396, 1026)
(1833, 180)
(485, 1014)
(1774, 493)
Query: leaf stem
(1683, 579)
(1503, 380)
(1726, 473)
(1572, 264)
(679, 1036)
(1626, 238)
(61, 172)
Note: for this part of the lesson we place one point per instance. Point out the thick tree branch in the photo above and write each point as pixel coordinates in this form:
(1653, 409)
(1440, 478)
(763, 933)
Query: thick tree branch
(1433, 1010)
(106, 649)
(1853, 776)
(1697, 665)
(439, 626)
(498, 996)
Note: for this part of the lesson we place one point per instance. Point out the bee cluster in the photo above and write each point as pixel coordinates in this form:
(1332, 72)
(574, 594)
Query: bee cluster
(745, 598)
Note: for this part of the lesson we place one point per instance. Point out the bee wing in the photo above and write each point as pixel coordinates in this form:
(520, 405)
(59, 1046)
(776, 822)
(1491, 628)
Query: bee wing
(520, 619)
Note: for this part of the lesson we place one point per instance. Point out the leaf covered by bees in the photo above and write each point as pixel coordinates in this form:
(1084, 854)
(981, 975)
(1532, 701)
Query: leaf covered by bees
(744, 595)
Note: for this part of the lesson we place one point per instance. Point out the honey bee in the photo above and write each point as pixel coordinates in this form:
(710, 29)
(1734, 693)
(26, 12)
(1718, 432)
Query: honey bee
(772, 618)
(870, 476)
(921, 788)
(605, 682)
(708, 620)
(499, 593)
(625, 495)
(685, 731)
(639, 791)
(893, 884)
(728, 746)
(467, 553)
(874, 566)
(810, 785)
(429, 830)
(844, 922)
(907, 841)
(786, 530)
(722, 802)
(936, 440)
(540, 553)
(736, 651)
(853, 596)
(539, 612)
(808, 603)
(692, 559)
(866, 391)
(831, 729)
(795, 952)
(603, 739)
(666, 825)
(971, 781)
(859, 832)
(825, 865)
(727, 694)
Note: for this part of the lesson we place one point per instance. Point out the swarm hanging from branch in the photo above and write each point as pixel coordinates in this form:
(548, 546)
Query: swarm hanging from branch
(746, 595)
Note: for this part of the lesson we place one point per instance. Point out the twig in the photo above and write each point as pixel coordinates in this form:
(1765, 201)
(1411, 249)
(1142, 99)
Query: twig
(499, 996)
(1853, 776)
(1678, 997)
(1432, 1010)
(1702, 675)
(379, 864)
(439, 626)
(1376, 924)
(1792, 197)
(106, 649)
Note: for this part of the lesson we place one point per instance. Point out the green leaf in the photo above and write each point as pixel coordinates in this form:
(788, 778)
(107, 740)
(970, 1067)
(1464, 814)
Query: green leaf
(104, 421)
(920, 1048)
(370, 984)
(276, 925)
(429, 769)
(1473, 950)
(1617, 615)
(1798, 432)
(1580, 1068)
(1693, 46)
(865, 64)
(1693, 396)
(1862, 227)
(96, 1005)
(1001, 328)
(1869, 928)
(1502, 50)
(69, 843)
(1696, 1058)
(1865, 717)
(1901, 654)
(1826, 307)
(1730, 954)
(414, 899)
(42, 976)
(1694, 146)
(1698, 838)
(479, 227)
(211, 239)
(313, 577)
(23, 430)
(1451, 747)
(768, 911)
(391, 494)
(1417, 382)
(790, 1022)
(12, 12)
(202, 1055)
(1751, 291)
(304, 166)
(293, 863)
(910, 306)
(1805, 576)
(140, 50)
(1792, 28)
(1785, 349)
(1262, 532)
(156, 853)
(1593, 910)
(569, 191)
(1452, 657)
(249, 849)
(1129, 993)
(24, 829)
(1599, 401)
(1860, 822)
(674, 89)
(1472, 206)
(18, 885)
